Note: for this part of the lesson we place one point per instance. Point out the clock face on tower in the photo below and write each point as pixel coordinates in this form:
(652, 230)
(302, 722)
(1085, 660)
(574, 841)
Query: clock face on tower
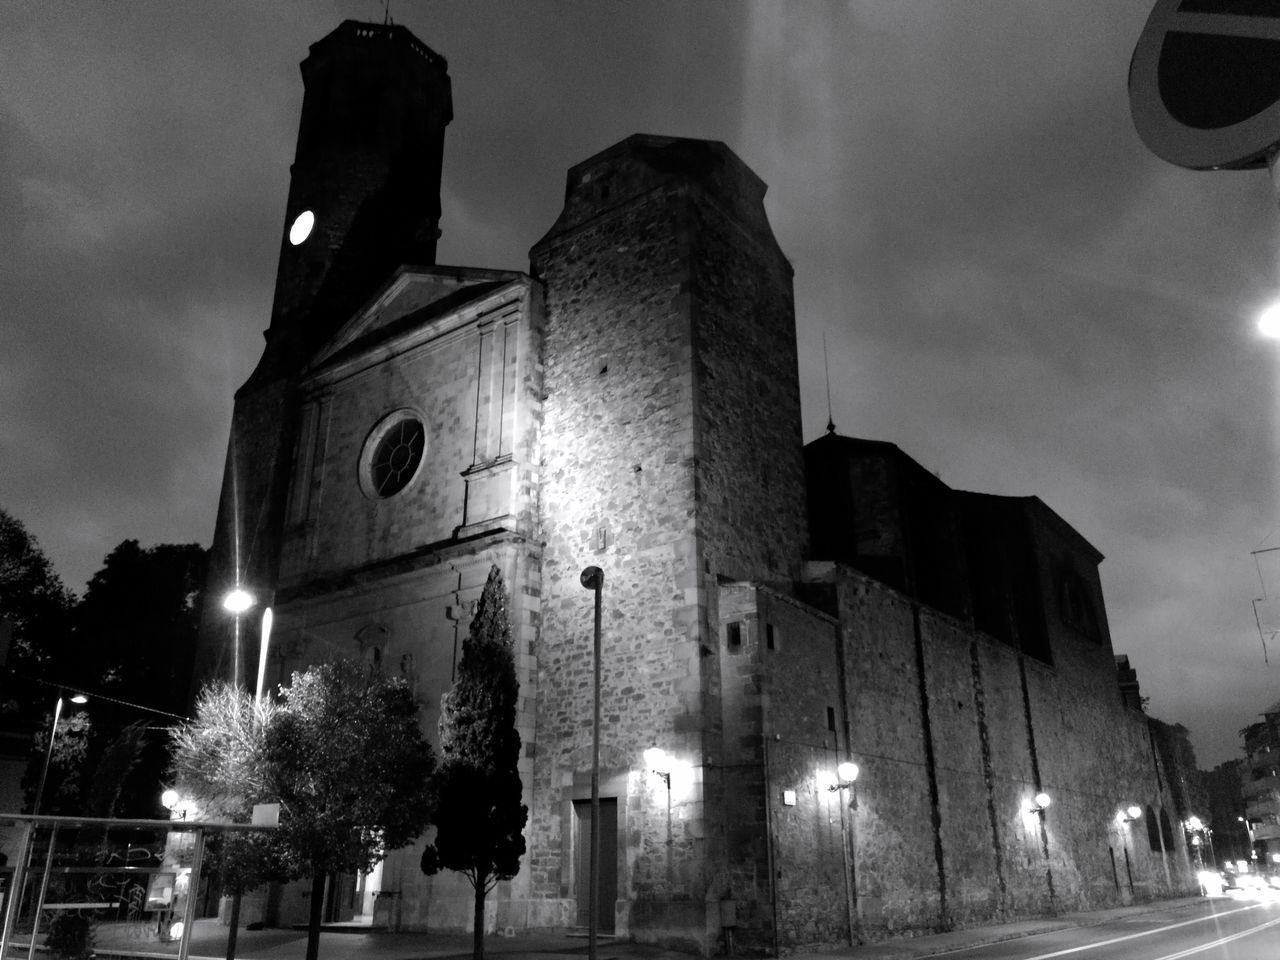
(302, 226)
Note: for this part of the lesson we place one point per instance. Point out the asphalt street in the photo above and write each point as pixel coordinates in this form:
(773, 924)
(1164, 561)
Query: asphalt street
(1213, 928)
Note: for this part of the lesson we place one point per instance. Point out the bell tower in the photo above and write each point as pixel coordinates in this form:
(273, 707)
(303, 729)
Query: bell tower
(364, 199)
(364, 191)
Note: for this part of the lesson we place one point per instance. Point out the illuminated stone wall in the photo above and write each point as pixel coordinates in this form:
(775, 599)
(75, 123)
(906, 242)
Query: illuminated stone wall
(393, 581)
(941, 832)
(670, 367)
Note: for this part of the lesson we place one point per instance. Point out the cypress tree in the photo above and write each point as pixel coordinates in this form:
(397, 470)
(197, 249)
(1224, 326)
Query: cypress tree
(476, 804)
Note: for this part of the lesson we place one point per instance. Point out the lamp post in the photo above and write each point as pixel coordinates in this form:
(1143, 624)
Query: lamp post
(846, 777)
(48, 754)
(1125, 817)
(593, 579)
(1195, 828)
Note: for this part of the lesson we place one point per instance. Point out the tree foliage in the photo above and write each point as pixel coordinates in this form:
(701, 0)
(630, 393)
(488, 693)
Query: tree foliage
(218, 763)
(343, 755)
(132, 641)
(476, 806)
(135, 628)
(35, 611)
(346, 759)
(63, 787)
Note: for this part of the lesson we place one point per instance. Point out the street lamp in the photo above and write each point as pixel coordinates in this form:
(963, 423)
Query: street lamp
(592, 578)
(846, 779)
(48, 754)
(656, 759)
(236, 602)
(1039, 803)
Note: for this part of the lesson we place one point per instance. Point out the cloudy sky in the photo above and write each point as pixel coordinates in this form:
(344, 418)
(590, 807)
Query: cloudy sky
(1012, 288)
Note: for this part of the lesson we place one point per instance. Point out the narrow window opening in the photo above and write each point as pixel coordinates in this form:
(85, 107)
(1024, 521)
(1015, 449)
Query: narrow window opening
(768, 636)
(733, 635)
(831, 719)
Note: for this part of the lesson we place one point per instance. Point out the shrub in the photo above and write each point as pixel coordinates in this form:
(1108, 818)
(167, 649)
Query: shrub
(70, 935)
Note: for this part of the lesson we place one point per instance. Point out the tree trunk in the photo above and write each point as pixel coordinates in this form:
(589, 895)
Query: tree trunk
(317, 913)
(235, 925)
(477, 940)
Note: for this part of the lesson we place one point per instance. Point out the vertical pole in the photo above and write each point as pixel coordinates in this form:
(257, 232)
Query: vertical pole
(193, 886)
(19, 880)
(235, 663)
(593, 579)
(848, 871)
(48, 755)
(44, 886)
(595, 789)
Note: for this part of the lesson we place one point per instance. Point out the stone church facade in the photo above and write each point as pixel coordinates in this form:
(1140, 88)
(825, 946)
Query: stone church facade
(770, 609)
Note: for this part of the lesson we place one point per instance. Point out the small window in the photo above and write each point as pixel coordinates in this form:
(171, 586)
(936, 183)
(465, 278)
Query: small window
(831, 719)
(1153, 830)
(768, 636)
(1075, 604)
(733, 635)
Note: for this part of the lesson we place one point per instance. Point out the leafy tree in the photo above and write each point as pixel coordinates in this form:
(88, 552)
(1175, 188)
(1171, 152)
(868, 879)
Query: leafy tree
(347, 761)
(476, 808)
(218, 760)
(35, 611)
(63, 787)
(136, 626)
(34, 604)
(133, 640)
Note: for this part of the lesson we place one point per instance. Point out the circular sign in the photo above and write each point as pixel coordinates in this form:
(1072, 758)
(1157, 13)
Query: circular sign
(1204, 87)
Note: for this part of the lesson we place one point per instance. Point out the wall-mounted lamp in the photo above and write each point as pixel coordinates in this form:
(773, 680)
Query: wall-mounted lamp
(1039, 803)
(177, 805)
(1129, 813)
(656, 759)
(846, 774)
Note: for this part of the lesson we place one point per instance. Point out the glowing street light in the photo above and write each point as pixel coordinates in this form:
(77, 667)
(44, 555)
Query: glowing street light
(1269, 321)
(1038, 804)
(656, 760)
(1129, 813)
(236, 602)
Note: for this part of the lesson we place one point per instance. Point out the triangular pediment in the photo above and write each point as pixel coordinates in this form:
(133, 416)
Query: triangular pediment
(415, 296)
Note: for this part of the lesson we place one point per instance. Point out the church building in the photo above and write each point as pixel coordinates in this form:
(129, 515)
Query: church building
(773, 613)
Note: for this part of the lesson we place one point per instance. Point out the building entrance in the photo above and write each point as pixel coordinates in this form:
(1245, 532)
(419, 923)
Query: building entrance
(608, 877)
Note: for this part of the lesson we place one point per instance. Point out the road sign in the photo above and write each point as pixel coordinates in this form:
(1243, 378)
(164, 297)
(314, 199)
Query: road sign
(1204, 83)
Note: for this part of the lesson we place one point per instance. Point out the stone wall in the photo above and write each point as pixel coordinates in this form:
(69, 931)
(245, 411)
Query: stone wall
(955, 733)
(670, 366)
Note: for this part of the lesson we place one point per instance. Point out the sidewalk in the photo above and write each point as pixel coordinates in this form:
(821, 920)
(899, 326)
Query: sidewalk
(209, 940)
